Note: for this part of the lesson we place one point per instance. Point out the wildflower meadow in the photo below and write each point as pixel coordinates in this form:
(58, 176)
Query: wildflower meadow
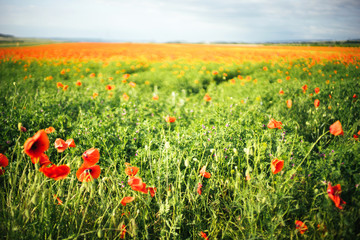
(179, 141)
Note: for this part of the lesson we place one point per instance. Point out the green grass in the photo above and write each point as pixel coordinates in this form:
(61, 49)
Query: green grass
(228, 135)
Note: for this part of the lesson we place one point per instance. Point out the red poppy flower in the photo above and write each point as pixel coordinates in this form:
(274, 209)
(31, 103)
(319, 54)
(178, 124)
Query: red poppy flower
(317, 103)
(4, 162)
(358, 132)
(155, 97)
(59, 85)
(300, 226)
(78, 83)
(135, 181)
(277, 165)
(199, 190)
(281, 92)
(203, 235)
(289, 103)
(356, 137)
(137, 184)
(152, 191)
(204, 173)
(334, 194)
(56, 172)
(43, 160)
(170, 119)
(207, 98)
(60, 145)
(70, 142)
(110, 87)
(123, 231)
(317, 90)
(336, 128)
(92, 75)
(274, 124)
(49, 130)
(131, 171)
(88, 173)
(37, 144)
(354, 96)
(304, 88)
(126, 200)
(132, 84)
(91, 157)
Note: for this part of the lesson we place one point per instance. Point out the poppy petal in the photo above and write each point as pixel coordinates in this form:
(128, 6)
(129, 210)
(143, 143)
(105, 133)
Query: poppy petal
(91, 157)
(37, 144)
(126, 200)
(87, 174)
(56, 172)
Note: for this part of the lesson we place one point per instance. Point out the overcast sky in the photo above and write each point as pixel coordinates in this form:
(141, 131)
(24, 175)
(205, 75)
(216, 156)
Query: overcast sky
(183, 20)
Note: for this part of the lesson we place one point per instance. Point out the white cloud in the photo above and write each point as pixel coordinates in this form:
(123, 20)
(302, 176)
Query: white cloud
(189, 20)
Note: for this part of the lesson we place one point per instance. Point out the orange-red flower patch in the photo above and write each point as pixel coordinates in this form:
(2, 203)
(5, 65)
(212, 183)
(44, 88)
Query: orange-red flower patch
(317, 90)
(289, 103)
(56, 172)
(4, 162)
(336, 128)
(60, 145)
(199, 188)
(49, 130)
(109, 87)
(203, 235)
(300, 226)
(70, 142)
(304, 88)
(88, 173)
(334, 195)
(204, 173)
(317, 103)
(137, 184)
(123, 231)
(169, 119)
(127, 200)
(207, 98)
(274, 124)
(131, 171)
(152, 191)
(91, 157)
(37, 144)
(277, 165)
(43, 160)
(59, 85)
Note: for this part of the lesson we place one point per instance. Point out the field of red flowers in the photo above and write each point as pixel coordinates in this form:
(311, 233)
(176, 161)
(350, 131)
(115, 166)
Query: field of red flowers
(179, 141)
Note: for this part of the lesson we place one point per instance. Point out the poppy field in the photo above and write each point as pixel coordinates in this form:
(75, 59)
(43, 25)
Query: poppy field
(179, 141)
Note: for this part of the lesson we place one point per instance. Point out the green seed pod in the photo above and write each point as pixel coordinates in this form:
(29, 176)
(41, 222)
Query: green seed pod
(99, 233)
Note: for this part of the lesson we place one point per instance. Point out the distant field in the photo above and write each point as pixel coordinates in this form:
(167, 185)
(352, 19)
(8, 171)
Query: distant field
(179, 141)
